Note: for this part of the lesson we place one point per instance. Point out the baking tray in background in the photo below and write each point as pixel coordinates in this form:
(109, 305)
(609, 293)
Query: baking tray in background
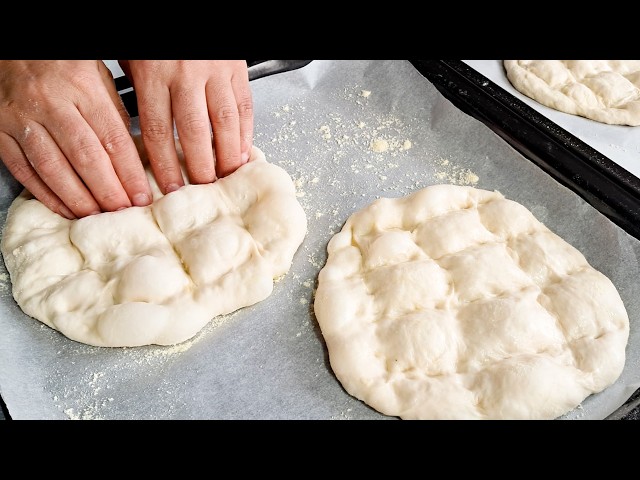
(564, 157)
(620, 143)
(603, 183)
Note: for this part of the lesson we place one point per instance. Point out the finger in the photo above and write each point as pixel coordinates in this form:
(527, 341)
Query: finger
(225, 123)
(106, 121)
(156, 130)
(21, 169)
(52, 166)
(79, 144)
(194, 130)
(244, 100)
(110, 85)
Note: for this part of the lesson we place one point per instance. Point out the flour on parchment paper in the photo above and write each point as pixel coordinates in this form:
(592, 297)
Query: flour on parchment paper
(5, 283)
(455, 174)
(89, 397)
(372, 145)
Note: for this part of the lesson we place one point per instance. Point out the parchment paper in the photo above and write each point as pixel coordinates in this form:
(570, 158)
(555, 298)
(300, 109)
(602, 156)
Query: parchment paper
(347, 132)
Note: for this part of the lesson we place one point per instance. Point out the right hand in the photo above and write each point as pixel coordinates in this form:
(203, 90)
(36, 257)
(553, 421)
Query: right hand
(64, 135)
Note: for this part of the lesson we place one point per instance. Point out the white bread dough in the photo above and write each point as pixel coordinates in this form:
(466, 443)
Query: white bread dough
(607, 91)
(156, 274)
(456, 303)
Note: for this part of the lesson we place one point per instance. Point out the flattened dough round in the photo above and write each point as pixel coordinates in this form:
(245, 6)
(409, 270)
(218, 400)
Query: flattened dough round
(457, 303)
(156, 274)
(607, 91)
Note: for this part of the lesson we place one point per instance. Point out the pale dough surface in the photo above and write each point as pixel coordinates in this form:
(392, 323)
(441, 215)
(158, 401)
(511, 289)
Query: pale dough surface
(156, 274)
(607, 91)
(457, 303)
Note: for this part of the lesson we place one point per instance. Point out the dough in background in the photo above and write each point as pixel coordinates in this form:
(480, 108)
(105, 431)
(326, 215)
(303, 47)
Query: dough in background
(607, 91)
(457, 303)
(156, 274)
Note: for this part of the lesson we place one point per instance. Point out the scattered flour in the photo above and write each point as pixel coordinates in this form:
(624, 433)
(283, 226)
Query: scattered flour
(87, 398)
(5, 283)
(379, 145)
(326, 132)
(454, 174)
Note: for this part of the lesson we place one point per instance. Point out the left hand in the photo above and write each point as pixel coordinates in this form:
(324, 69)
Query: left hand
(205, 98)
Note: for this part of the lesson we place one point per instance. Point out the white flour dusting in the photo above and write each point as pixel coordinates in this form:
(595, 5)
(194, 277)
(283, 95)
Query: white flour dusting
(5, 283)
(93, 393)
(366, 144)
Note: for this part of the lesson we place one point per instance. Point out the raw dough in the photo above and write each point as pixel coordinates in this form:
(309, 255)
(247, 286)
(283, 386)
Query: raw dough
(156, 274)
(607, 91)
(456, 303)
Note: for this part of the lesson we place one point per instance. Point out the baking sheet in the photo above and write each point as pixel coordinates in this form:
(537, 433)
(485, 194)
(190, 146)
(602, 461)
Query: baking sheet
(347, 132)
(619, 143)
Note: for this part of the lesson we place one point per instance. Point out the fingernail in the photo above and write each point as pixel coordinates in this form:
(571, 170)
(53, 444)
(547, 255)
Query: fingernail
(97, 212)
(245, 157)
(66, 213)
(172, 187)
(141, 200)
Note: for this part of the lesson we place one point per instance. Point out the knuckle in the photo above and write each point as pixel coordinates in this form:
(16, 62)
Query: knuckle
(82, 81)
(46, 163)
(156, 131)
(86, 154)
(85, 81)
(195, 124)
(116, 140)
(245, 107)
(225, 114)
(22, 172)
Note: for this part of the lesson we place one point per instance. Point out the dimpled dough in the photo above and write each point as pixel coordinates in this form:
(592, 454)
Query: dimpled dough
(607, 91)
(456, 303)
(156, 274)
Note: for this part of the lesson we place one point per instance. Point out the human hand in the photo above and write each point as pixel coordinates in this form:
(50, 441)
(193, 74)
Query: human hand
(205, 98)
(64, 135)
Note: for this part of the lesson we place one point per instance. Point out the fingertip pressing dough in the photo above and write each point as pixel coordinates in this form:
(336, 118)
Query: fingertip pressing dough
(457, 303)
(607, 91)
(155, 274)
